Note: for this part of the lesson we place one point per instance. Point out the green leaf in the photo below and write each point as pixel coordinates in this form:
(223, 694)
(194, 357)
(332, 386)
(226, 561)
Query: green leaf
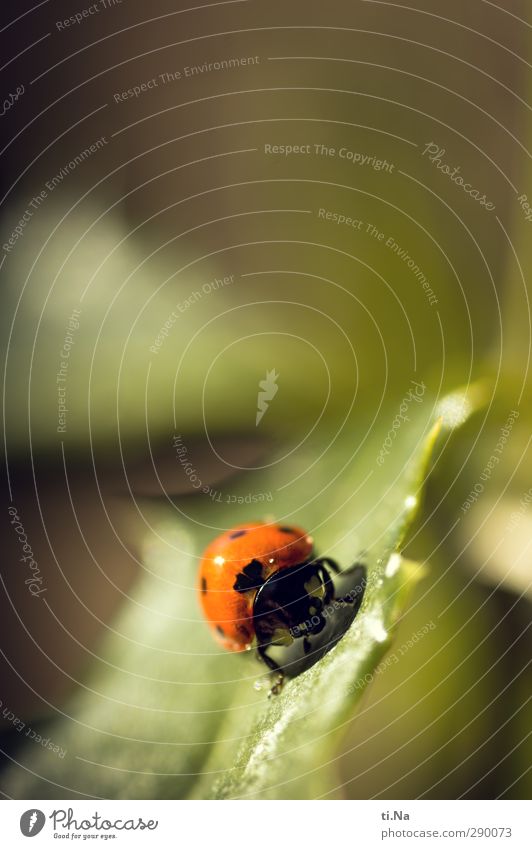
(165, 714)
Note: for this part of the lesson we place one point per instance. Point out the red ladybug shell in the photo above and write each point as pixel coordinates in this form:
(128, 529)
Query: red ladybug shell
(229, 611)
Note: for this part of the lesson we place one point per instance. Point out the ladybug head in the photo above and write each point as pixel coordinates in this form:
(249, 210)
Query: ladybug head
(290, 603)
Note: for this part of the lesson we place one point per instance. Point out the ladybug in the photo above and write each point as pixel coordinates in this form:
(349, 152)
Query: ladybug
(261, 583)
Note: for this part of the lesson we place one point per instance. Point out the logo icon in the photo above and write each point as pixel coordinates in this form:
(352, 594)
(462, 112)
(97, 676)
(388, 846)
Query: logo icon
(32, 822)
(269, 390)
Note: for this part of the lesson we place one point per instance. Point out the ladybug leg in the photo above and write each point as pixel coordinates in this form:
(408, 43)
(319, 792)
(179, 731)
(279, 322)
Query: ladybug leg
(274, 667)
(324, 575)
(358, 573)
(328, 561)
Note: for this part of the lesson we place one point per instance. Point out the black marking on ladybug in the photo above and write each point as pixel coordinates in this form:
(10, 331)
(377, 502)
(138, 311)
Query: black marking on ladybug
(203, 586)
(220, 630)
(244, 631)
(250, 578)
(285, 530)
(236, 534)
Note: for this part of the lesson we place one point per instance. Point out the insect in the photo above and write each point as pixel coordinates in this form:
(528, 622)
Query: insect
(261, 583)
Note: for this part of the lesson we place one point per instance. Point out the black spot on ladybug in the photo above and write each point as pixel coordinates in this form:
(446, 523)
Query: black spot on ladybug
(285, 530)
(244, 631)
(250, 578)
(220, 630)
(203, 586)
(236, 534)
